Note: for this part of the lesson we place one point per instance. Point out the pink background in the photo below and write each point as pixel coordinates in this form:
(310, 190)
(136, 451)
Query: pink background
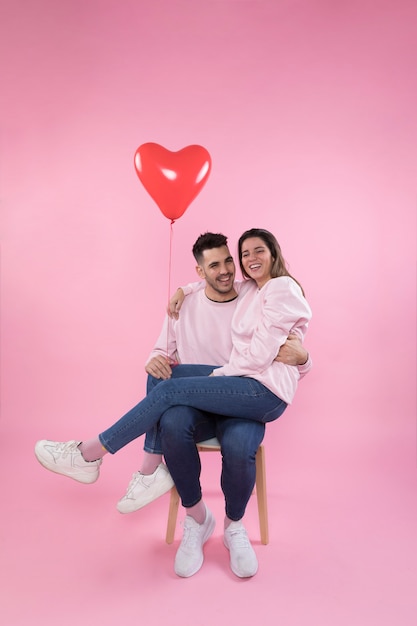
(308, 109)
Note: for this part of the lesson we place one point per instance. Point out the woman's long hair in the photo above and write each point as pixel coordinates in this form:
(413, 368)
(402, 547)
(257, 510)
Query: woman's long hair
(279, 266)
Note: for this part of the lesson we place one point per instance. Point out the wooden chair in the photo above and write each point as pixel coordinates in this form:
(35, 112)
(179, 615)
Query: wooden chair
(213, 445)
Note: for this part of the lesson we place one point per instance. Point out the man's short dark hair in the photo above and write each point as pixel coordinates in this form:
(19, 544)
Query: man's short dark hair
(207, 241)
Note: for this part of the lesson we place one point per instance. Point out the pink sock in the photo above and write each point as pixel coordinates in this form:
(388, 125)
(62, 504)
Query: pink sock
(92, 450)
(198, 512)
(150, 462)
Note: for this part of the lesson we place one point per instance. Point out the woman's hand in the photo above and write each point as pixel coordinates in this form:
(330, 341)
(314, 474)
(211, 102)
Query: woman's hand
(175, 303)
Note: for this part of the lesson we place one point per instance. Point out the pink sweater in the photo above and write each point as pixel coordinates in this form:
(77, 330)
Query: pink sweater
(261, 324)
(202, 334)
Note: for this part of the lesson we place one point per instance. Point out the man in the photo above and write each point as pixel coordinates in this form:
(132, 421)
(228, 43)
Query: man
(201, 335)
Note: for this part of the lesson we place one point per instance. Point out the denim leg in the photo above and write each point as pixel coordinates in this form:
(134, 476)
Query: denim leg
(240, 440)
(181, 427)
(153, 442)
(230, 396)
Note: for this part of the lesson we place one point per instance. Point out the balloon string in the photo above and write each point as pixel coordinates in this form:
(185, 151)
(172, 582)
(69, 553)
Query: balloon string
(171, 235)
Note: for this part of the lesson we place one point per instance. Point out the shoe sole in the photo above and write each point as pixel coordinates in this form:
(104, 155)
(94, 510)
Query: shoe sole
(134, 505)
(86, 480)
(207, 535)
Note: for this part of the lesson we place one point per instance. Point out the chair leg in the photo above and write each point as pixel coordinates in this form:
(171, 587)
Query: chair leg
(172, 515)
(261, 494)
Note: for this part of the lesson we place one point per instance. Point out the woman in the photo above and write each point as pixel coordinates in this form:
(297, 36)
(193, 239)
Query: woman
(252, 386)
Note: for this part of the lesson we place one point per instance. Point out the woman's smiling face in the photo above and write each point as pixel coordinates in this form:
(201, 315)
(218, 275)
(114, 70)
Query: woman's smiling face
(257, 260)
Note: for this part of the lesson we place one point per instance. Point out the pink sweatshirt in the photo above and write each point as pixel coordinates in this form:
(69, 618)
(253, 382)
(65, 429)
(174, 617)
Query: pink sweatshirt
(202, 334)
(261, 324)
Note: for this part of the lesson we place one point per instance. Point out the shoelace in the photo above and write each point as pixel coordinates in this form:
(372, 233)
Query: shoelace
(239, 538)
(67, 448)
(190, 537)
(134, 481)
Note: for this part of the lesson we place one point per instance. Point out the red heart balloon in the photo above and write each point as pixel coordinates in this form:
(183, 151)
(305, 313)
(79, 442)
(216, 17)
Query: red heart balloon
(172, 179)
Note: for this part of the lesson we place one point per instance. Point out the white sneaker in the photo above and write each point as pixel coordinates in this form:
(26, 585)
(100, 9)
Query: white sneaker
(243, 561)
(65, 458)
(143, 489)
(190, 557)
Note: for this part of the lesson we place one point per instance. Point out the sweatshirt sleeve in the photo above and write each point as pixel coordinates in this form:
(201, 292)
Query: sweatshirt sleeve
(239, 286)
(193, 287)
(306, 367)
(283, 307)
(166, 344)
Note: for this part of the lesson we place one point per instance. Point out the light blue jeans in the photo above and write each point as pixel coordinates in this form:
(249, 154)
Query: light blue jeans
(183, 405)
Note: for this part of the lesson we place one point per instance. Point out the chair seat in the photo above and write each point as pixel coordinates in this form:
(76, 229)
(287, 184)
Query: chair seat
(213, 445)
(210, 443)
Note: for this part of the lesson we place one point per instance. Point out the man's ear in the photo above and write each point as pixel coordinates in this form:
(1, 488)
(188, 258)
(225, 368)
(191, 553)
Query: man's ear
(200, 271)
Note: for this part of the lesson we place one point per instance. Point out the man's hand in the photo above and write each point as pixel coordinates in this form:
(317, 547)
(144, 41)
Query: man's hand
(159, 367)
(292, 352)
(175, 303)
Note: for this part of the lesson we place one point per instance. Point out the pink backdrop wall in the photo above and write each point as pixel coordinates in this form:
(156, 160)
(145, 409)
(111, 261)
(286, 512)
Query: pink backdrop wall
(308, 111)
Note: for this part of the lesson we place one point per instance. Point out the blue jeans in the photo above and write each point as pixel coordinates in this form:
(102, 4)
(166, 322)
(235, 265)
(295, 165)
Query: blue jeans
(192, 407)
(205, 430)
(228, 396)
(183, 427)
(239, 440)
